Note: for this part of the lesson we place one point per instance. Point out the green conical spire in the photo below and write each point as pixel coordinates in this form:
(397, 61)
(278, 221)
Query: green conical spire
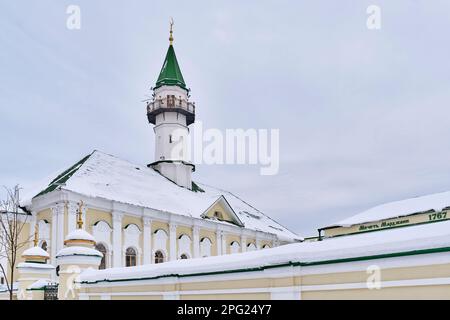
(170, 72)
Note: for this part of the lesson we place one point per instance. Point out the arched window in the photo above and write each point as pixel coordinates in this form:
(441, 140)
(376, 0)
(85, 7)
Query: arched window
(130, 257)
(251, 247)
(100, 247)
(184, 256)
(184, 245)
(235, 247)
(159, 257)
(44, 245)
(205, 247)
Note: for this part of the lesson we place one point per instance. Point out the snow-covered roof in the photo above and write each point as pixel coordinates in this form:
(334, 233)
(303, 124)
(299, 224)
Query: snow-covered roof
(382, 244)
(35, 252)
(78, 251)
(80, 234)
(435, 202)
(104, 176)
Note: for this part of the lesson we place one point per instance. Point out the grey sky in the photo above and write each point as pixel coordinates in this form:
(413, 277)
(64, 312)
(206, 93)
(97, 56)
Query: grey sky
(363, 115)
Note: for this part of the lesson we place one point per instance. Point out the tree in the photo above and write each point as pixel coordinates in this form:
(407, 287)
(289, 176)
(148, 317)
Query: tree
(12, 223)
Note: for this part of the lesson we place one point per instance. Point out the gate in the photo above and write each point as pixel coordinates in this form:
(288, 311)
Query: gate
(51, 292)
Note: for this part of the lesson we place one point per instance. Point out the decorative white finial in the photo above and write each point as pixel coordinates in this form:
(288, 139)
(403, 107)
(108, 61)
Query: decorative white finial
(171, 31)
(80, 218)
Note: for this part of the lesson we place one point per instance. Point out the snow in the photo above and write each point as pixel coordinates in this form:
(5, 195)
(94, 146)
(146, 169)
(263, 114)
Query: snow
(40, 284)
(35, 265)
(36, 251)
(4, 287)
(107, 177)
(436, 202)
(74, 251)
(80, 234)
(427, 236)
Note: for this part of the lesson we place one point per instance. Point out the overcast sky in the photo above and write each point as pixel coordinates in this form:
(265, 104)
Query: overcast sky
(364, 115)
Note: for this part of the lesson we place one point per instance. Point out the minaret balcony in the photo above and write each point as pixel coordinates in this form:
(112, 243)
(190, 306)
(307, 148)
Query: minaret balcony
(171, 104)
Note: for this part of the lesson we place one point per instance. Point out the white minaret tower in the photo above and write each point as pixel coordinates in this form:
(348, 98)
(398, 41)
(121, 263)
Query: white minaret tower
(171, 113)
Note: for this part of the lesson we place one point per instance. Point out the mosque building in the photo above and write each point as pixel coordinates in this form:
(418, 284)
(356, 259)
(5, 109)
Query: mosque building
(145, 214)
(107, 229)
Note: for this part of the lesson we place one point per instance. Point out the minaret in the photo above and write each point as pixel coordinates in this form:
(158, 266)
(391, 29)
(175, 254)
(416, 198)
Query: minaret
(171, 113)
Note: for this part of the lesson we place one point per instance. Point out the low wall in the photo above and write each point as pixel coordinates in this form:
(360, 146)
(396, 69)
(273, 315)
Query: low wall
(424, 276)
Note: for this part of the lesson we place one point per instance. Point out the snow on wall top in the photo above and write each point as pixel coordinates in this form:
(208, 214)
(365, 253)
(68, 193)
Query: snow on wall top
(407, 239)
(80, 234)
(436, 202)
(78, 251)
(105, 176)
(35, 252)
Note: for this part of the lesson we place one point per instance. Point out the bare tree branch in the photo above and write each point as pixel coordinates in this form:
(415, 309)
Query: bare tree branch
(12, 223)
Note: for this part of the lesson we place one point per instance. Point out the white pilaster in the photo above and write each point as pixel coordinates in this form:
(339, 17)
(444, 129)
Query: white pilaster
(173, 241)
(32, 227)
(60, 226)
(219, 242)
(196, 241)
(53, 240)
(117, 239)
(258, 243)
(147, 238)
(224, 243)
(71, 216)
(243, 243)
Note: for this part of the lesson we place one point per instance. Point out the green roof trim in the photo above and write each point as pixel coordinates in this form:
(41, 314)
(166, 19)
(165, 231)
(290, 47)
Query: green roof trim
(287, 264)
(63, 177)
(170, 74)
(196, 188)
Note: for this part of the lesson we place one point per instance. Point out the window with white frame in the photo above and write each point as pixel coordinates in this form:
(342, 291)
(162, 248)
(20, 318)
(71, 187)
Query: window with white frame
(130, 257)
(184, 245)
(159, 257)
(235, 247)
(205, 247)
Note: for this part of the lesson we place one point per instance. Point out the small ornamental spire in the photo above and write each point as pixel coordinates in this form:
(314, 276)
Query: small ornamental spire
(171, 31)
(36, 235)
(79, 214)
